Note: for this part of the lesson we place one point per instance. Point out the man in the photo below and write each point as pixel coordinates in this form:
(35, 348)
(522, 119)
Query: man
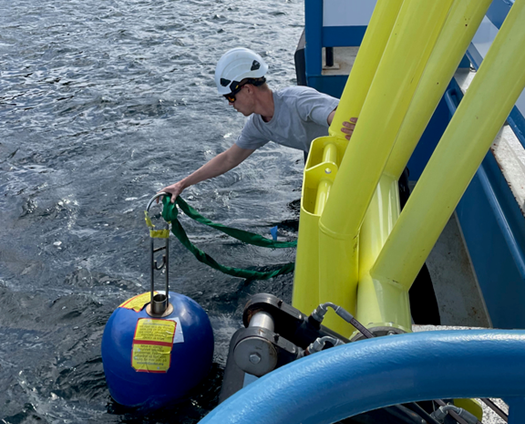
(291, 117)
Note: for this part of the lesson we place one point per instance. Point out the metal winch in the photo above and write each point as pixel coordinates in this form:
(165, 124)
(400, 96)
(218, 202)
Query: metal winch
(275, 334)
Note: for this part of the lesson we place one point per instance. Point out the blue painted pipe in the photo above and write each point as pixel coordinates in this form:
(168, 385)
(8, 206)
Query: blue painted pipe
(347, 380)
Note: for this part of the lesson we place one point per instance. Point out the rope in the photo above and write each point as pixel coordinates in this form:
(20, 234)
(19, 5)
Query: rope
(247, 237)
(169, 213)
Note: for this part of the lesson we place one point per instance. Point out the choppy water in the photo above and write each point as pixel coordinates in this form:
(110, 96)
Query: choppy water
(102, 103)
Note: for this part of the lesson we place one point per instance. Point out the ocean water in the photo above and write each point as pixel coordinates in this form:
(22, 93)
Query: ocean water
(102, 103)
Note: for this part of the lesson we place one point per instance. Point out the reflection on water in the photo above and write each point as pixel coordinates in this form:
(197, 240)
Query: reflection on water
(101, 104)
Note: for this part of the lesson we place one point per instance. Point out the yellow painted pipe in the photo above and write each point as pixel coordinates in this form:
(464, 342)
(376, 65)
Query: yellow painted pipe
(338, 276)
(379, 221)
(380, 305)
(305, 288)
(413, 37)
(383, 304)
(461, 24)
(409, 46)
(364, 67)
(480, 115)
(324, 188)
(325, 184)
(321, 168)
(330, 153)
(305, 295)
(374, 307)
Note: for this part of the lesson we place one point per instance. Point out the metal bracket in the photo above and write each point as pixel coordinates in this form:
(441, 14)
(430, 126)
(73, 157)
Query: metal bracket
(159, 303)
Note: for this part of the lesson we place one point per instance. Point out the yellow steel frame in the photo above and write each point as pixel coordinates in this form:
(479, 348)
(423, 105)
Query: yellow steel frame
(354, 247)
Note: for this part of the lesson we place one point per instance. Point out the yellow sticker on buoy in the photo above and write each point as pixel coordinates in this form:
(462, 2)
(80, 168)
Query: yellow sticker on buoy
(152, 345)
(137, 303)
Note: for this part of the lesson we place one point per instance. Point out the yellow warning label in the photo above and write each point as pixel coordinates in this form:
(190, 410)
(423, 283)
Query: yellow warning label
(137, 303)
(155, 330)
(152, 345)
(151, 358)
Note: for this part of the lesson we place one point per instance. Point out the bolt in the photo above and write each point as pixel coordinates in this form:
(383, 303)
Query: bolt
(254, 358)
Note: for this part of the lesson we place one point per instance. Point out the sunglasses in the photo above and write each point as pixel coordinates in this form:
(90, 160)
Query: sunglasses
(231, 97)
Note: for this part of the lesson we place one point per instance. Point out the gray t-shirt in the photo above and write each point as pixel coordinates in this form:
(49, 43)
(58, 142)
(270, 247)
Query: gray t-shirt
(300, 116)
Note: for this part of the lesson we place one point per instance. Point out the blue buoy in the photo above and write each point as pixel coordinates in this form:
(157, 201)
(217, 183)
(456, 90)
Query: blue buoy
(150, 361)
(156, 346)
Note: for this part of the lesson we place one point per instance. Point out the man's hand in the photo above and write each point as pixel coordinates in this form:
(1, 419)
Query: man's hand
(174, 189)
(348, 127)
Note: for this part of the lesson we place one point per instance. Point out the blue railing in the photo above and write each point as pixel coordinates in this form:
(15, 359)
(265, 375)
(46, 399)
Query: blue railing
(348, 380)
(488, 200)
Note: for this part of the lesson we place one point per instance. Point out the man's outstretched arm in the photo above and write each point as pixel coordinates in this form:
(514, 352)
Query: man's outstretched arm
(216, 166)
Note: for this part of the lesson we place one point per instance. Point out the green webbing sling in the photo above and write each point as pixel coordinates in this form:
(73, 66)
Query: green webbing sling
(170, 215)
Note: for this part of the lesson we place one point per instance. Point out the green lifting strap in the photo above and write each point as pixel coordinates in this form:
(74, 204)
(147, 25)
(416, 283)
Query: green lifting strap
(170, 215)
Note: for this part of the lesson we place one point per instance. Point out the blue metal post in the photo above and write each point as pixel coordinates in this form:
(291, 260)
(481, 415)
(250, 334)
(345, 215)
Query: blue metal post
(313, 38)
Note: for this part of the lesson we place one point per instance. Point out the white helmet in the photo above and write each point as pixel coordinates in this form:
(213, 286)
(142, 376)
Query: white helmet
(236, 65)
